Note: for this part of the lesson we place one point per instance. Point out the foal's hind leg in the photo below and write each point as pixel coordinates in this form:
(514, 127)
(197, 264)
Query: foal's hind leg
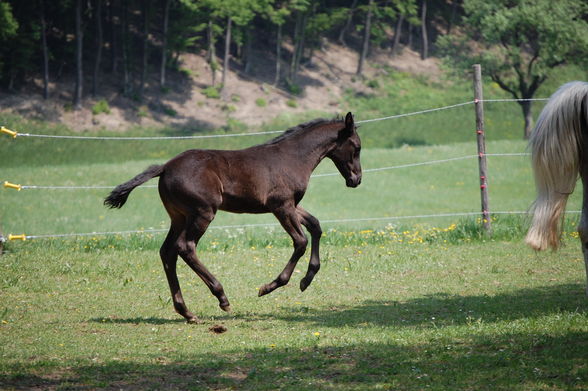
(169, 257)
(313, 226)
(291, 223)
(195, 228)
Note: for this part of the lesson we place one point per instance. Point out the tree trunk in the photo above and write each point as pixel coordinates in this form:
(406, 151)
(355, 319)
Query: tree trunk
(366, 39)
(528, 115)
(144, 63)
(211, 52)
(397, 33)
(347, 23)
(226, 59)
(77, 100)
(452, 17)
(297, 38)
(278, 54)
(409, 29)
(99, 44)
(425, 49)
(113, 37)
(248, 53)
(164, 43)
(125, 50)
(45, 52)
(301, 42)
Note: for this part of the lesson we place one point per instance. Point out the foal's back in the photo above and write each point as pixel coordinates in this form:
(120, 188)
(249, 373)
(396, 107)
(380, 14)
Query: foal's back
(253, 180)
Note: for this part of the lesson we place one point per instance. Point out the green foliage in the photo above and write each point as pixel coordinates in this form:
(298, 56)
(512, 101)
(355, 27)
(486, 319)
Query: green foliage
(8, 24)
(261, 102)
(372, 83)
(229, 108)
(169, 111)
(234, 125)
(291, 103)
(293, 88)
(519, 43)
(211, 92)
(101, 107)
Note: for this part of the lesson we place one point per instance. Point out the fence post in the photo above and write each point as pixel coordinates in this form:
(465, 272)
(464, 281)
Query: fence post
(482, 164)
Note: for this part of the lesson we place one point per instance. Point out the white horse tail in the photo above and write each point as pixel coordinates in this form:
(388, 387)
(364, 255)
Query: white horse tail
(555, 145)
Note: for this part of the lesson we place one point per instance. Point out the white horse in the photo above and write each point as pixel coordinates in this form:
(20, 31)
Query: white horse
(559, 148)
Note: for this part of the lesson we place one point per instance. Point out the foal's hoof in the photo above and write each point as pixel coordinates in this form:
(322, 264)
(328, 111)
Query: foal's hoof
(264, 290)
(304, 283)
(225, 307)
(193, 320)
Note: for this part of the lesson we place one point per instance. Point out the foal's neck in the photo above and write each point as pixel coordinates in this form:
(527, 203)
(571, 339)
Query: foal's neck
(313, 145)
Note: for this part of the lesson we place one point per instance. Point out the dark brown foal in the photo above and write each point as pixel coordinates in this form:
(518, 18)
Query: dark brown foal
(267, 178)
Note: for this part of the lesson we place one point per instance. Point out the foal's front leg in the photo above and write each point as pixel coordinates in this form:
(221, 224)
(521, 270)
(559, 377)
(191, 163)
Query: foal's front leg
(289, 219)
(313, 226)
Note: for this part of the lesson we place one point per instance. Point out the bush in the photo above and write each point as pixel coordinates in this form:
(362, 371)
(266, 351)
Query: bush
(260, 102)
(294, 89)
(101, 107)
(292, 103)
(211, 92)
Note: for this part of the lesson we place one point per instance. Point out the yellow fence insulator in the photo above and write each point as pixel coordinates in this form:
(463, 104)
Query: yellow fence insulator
(9, 185)
(8, 132)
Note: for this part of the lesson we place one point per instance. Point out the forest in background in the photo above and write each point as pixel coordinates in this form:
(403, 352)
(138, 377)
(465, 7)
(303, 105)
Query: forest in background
(96, 43)
(89, 38)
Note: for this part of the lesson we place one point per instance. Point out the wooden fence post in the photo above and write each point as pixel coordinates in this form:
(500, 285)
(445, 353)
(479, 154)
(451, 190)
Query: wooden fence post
(482, 164)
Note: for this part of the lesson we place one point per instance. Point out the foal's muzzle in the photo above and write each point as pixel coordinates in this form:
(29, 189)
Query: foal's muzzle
(353, 180)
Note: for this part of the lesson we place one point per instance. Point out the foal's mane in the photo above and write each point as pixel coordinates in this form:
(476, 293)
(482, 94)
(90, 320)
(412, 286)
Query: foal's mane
(307, 126)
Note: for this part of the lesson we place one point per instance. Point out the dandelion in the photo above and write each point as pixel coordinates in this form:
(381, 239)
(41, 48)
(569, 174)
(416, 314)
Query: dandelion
(317, 333)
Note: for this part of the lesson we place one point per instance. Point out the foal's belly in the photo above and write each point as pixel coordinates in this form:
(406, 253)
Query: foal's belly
(243, 205)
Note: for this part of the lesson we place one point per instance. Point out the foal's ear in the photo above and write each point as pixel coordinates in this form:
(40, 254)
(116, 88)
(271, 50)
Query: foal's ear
(349, 124)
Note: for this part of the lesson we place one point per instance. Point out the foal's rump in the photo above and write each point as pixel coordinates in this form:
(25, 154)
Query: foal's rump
(557, 148)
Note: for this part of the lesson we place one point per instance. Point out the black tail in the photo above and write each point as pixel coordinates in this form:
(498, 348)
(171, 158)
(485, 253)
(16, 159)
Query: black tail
(119, 195)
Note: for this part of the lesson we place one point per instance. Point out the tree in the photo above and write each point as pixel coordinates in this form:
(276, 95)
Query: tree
(164, 42)
(146, 10)
(405, 10)
(77, 98)
(366, 38)
(519, 42)
(45, 51)
(300, 10)
(424, 35)
(99, 45)
(348, 22)
(277, 15)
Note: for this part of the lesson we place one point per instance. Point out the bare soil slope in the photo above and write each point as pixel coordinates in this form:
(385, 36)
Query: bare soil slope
(250, 99)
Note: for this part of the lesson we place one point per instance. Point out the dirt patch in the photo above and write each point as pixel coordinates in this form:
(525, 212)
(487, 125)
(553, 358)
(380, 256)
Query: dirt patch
(218, 329)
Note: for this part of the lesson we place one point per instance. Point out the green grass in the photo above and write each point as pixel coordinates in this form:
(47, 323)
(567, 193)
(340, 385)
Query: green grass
(410, 316)
(423, 190)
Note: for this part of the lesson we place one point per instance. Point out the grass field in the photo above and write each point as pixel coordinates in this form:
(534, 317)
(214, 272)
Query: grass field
(485, 315)
(399, 304)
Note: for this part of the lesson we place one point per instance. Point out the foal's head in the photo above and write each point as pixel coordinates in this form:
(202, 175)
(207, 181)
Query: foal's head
(345, 155)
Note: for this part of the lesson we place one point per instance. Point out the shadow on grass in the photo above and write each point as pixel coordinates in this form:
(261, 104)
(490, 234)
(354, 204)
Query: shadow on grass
(436, 310)
(137, 320)
(444, 309)
(439, 310)
(512, 361)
